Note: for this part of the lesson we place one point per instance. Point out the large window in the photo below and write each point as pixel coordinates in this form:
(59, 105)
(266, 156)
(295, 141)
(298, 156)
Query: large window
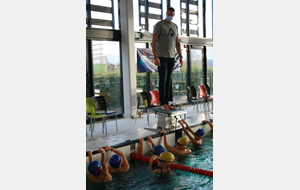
(103, 14)
(210, 69)
(209, 25)
(107, 73)
(178, 16)
(141, 78)
(197, 69)
(179, 81)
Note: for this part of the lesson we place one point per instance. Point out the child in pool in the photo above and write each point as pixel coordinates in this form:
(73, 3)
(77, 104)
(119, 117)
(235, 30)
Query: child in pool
(164, 161)
(156, 149)
(118, 162)
(180, 146)
(197, 140)
(98, 171)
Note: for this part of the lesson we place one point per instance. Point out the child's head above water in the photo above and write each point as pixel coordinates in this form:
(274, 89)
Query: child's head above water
(182, 141)
(200, 133)
(115, 161)
(165, 157)
(95, 167)
(157, 150)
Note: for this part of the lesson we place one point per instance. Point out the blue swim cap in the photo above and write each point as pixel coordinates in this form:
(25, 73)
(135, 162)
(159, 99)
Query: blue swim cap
(95, 167)
(115, 161)
(158, 149)
(200, 132)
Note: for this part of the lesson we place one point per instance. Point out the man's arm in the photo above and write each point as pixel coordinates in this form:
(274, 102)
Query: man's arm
(178, 48)
(156, 60)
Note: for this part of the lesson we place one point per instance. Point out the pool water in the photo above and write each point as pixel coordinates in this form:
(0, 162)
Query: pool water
(139, 177)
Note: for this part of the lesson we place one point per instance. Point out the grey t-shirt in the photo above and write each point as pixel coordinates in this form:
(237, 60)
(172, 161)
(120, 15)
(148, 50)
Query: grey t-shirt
(166, 42)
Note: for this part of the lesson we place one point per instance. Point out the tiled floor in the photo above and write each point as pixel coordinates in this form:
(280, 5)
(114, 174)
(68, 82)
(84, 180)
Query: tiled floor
(129, 130)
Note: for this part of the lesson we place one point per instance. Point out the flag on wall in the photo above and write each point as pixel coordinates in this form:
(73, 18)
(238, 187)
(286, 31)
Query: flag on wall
(145, 61)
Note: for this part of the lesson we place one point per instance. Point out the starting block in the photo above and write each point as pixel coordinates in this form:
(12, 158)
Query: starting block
(168, 120)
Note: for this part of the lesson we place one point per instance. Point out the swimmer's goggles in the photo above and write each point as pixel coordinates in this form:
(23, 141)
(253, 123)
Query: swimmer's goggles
(178, 143)
(161, 160)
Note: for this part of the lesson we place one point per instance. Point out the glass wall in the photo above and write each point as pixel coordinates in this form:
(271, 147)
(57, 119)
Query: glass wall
(154, 13)
(155, 81)
(103, 14)
(197, 69)
(177, 17)
(179, 81)
(107, 73)
(209, 25)
(210, 69)
(141, 78)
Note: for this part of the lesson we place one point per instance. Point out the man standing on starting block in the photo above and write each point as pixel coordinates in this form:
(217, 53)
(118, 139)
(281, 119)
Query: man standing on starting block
(164, 40)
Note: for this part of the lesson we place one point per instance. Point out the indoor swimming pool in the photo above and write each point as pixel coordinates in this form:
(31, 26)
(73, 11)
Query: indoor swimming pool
(139, 177)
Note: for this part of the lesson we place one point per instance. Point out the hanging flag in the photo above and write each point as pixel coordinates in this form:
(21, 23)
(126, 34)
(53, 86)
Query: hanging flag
(145, 61)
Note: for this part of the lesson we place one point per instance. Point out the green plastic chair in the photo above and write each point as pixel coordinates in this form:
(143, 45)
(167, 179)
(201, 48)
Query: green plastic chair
(90, 109)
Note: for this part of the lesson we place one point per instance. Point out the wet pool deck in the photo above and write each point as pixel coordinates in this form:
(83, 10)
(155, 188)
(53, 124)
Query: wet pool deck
(129, 130)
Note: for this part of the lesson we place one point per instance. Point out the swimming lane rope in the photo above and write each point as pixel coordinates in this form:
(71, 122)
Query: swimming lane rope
(173, 165)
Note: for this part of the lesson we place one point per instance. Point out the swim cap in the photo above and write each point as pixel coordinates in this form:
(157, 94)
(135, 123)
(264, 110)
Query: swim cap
(158, 149)
(200, 132)
(183, 141)
(167, 156)
(95, 167)
(115, 161)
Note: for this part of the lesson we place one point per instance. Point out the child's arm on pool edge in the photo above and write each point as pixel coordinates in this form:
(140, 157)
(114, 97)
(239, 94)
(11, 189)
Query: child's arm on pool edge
(168, 147)
(186, 132)
(103, 159)
(149, 138)
(141, 146)
(209, 123)
(90, 155)
(188, 127)
(120, 153)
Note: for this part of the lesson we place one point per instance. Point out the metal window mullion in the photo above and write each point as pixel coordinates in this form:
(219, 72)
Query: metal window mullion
(91, 69)
(189, 65)
(181, 18)
(204, 65)
(204, 17)
(121, 72)
(113, 13)
(149, 76)
(187, 7)
(140, 17)
(146, 15)
(88, 12)
(198, 18)
(204, 59)
(161, 6)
